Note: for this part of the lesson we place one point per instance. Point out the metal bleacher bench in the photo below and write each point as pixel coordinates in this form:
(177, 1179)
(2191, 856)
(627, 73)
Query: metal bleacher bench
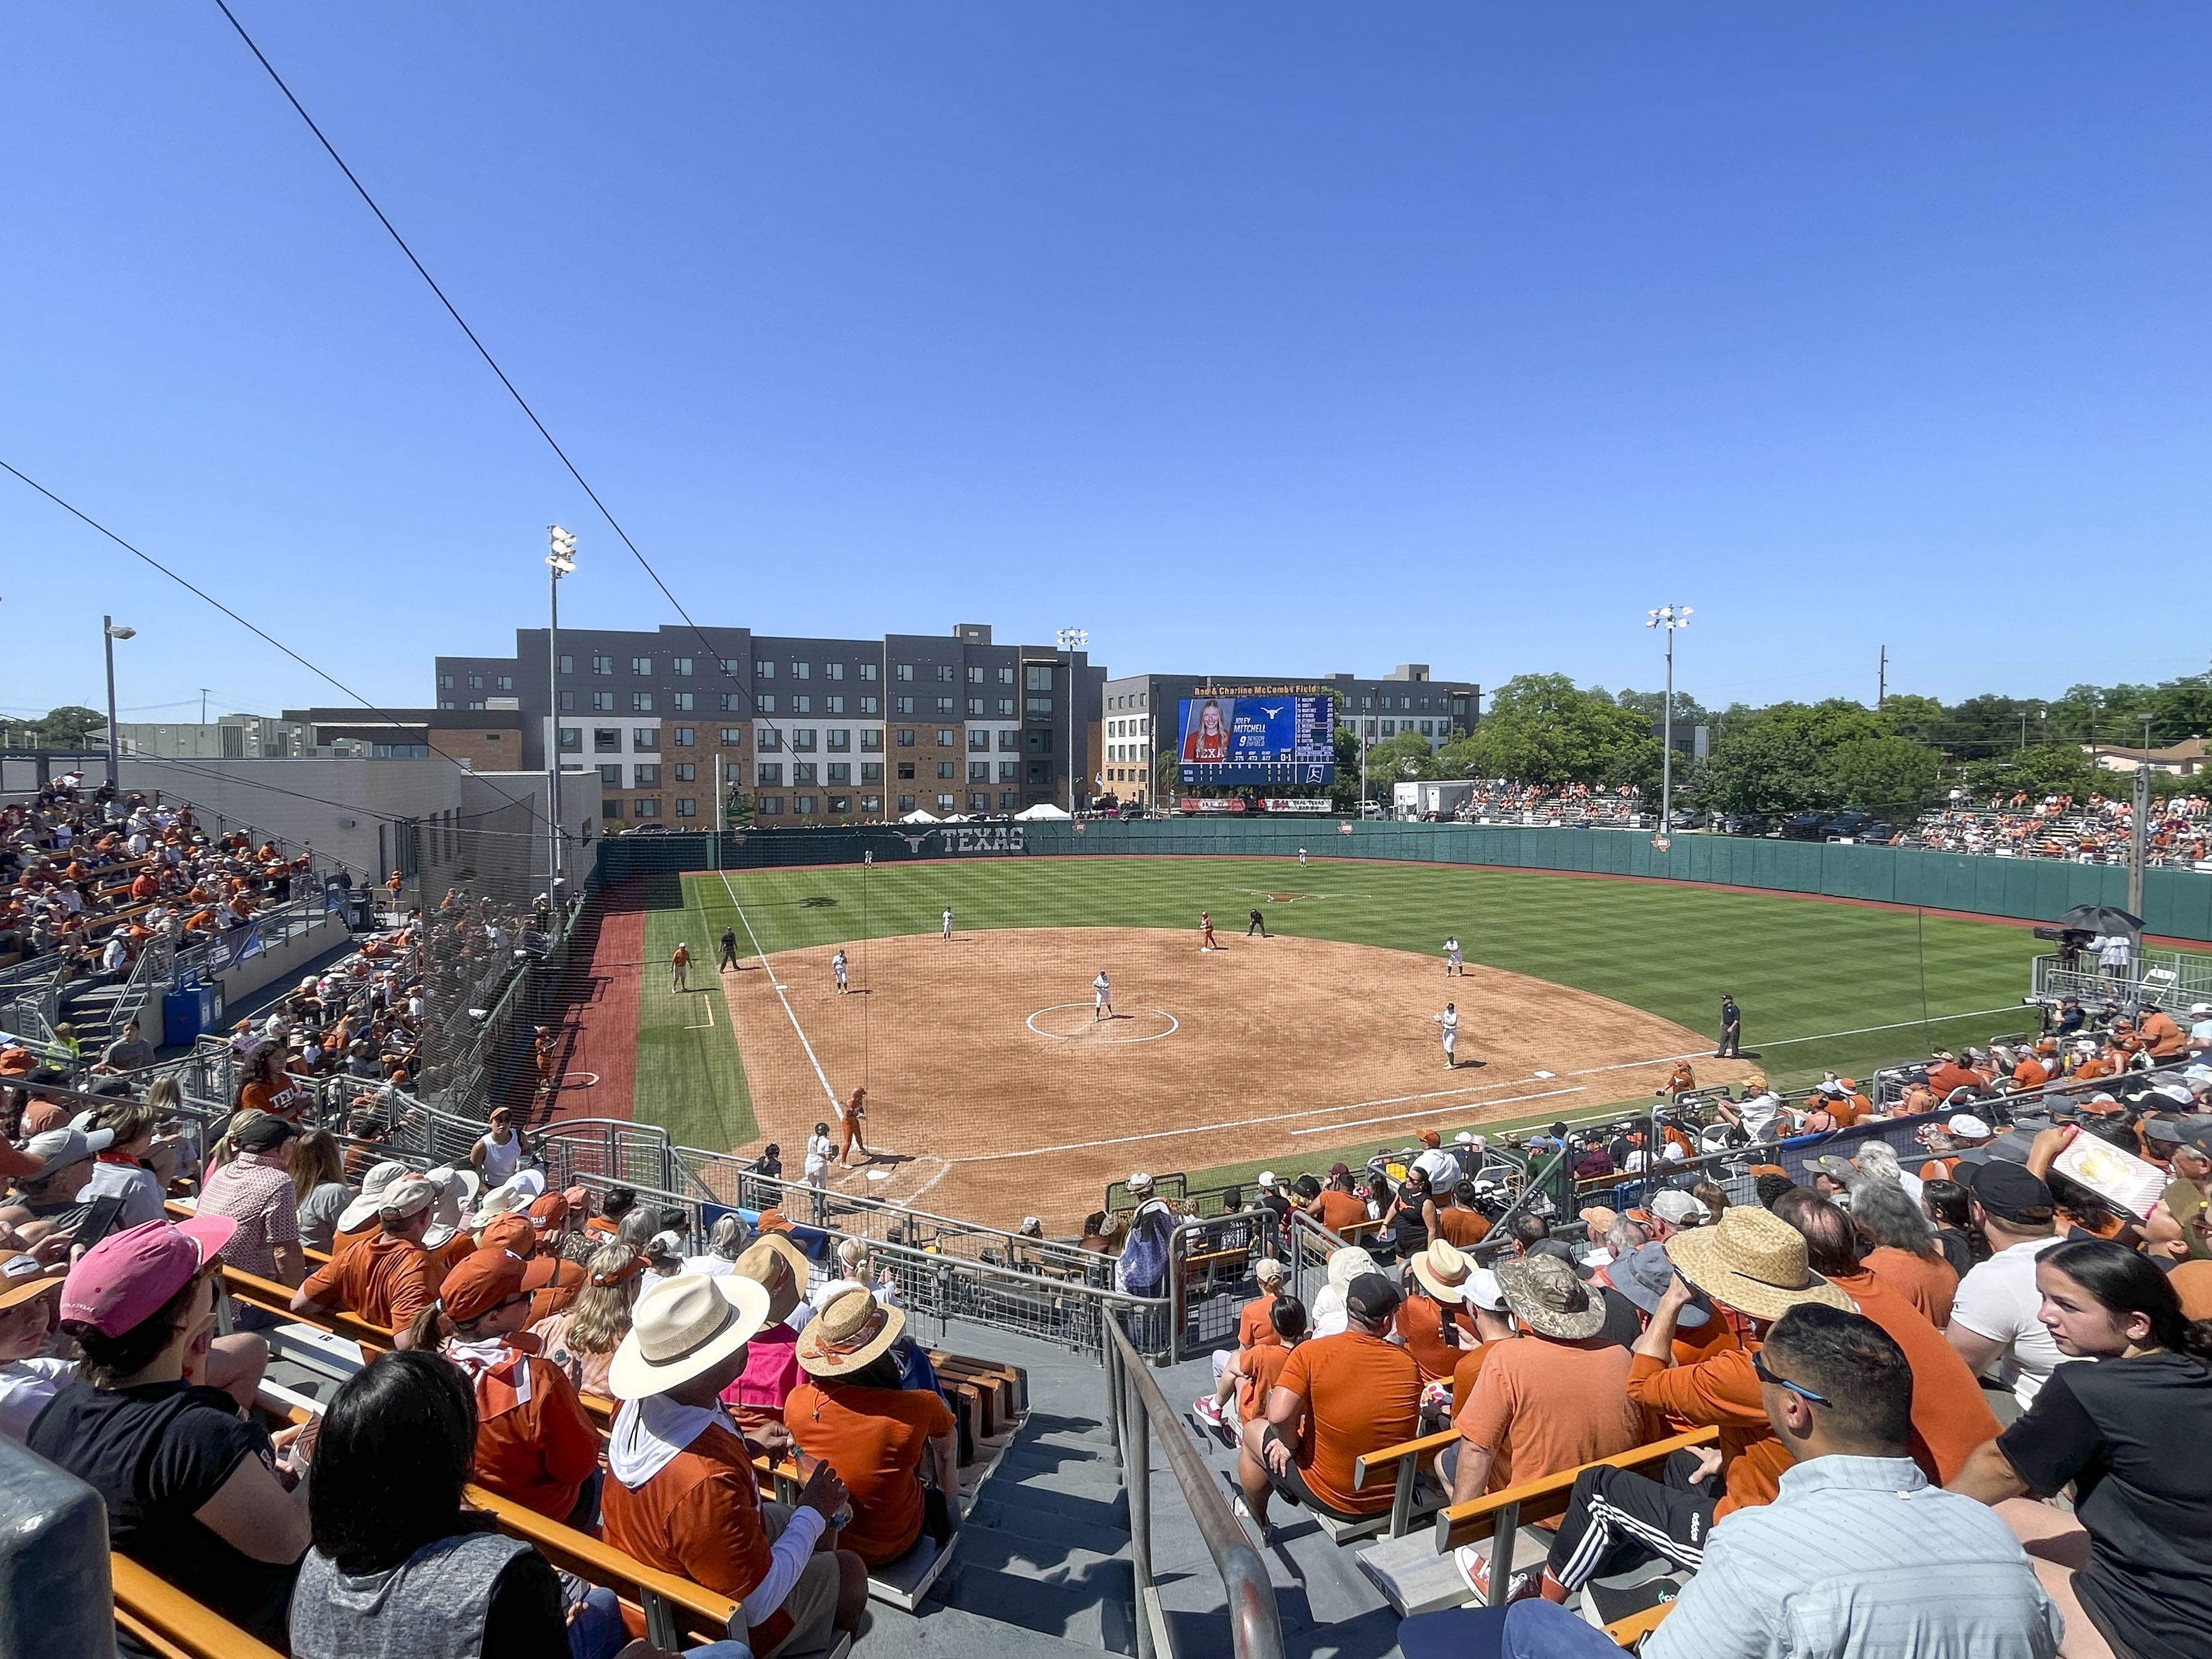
(1414, 1571)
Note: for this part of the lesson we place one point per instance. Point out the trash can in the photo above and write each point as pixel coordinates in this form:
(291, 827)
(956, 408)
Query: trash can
(186, 1012)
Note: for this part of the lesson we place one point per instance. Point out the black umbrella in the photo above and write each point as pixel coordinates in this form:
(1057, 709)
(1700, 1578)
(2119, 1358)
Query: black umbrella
(2101, 919)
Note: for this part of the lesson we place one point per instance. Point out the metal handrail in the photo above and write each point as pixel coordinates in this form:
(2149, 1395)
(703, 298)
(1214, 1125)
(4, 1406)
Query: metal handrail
(1136, 1408)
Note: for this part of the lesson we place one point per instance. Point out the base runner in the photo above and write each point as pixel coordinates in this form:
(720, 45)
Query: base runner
(1205, 940)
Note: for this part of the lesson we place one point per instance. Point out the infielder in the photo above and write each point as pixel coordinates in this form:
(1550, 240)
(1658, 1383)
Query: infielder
(1205, 940)
(1454, 962)
(1104, 989)
(1450, 1020)
(837, 967)
(948, 922)
(680, 968)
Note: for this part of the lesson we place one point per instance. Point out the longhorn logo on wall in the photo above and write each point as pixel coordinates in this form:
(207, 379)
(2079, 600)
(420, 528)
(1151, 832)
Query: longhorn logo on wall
(959, 840)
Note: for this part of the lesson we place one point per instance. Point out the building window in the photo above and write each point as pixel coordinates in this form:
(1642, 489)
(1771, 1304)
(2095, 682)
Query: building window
(680, 701)
(906, 803)
(870, 705)
(567, 664)
(979, 803)
(947, 769)
(872, 771)
(975, 674)
(603, 665)
(765, 703)
(611, 777)
(871, 741)
(804, 806)
(1009, 742)
(833, 671)
(803, 772)
(1006, 674)
(1389, 728)
(802, 740)
(839, 740)
(976, 709)
(733, 702)
(606, 740)
(475, 682)
(802, 704)
(1009, 771)
(686, 807)
(1008, 798)
(685, 735)
(871, 803)
(947, 737)
(645, 739)
(686, 772)
(840, 772)
(979, 740)
(1006, 707)
(641, 703)
(1036, 708)
(902, 705)
(681, 667)
(646, 776)
(1038, 743)
(944, 708)
(733, 737)
(400, 750)
(769, 772)
(1429, 727)
(1038, 678)
(727, 665)
(906, 737)
(568, 702)
(904, 671)
(641, 666)
(944, 673)
(867, 671)
(644, 807)
(840, 802)
(801, 670)
(979, 771)
(572, 740)
(766, 670)
(770, 806)
(602, 702)
(504, 682)
(906, 771)
(833, 705)
(611, 809)
(945, 803)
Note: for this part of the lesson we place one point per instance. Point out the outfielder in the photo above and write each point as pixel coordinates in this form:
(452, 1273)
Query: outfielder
(1301, 857)
(1450, 1020)
(1454, 962)
(1205, 940)
(948, 922)
(680, 968)
(837, 967)
(1104, 987)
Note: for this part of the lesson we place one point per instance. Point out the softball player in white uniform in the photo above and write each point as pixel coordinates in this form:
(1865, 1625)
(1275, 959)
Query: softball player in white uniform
(1450, 1020)
(837, 967)
(1104, 987)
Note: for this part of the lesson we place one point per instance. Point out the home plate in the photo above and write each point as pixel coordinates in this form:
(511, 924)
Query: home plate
(879, 1175)
(1547, 1074)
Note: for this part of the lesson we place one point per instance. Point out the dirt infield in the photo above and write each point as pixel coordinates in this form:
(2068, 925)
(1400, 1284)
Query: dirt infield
(1002, 1095)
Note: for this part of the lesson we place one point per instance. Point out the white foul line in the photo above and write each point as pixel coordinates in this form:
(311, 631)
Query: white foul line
(1396, 1117)
(785, 1001)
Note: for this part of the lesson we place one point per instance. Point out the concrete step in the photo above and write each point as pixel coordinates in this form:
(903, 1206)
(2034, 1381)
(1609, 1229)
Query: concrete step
(1092, 1610)
(1022, 1508)
(1088, 1477)
(1053, 1554)
(938, 1631)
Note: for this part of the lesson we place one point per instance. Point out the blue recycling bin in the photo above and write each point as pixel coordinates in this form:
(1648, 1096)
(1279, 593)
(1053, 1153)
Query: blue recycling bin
(186, 1012)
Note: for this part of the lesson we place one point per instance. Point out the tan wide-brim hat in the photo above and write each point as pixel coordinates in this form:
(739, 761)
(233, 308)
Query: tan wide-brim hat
(1754, 1261)
(849, 1334)
(1543, 1293)
(683, 1327)
(757, 1263)
(1444, 1271)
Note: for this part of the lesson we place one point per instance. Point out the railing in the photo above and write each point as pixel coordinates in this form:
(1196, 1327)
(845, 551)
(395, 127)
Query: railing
(31, 1004)
(2172, 979)
(1136, 1409)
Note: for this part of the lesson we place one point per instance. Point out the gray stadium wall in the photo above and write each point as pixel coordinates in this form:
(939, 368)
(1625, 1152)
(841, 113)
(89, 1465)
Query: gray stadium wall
(2177, 903)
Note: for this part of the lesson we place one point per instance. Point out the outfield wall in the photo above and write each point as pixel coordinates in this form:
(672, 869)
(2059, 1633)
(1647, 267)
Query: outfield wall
(2177, 903)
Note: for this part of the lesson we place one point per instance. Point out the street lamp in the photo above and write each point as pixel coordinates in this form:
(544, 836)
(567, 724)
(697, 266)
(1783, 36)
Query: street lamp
(560, 560)
(1071, 639)
(1670, 617)
(110, 632)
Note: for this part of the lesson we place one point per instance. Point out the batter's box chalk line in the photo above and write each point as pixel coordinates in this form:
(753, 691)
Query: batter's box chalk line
(1084, 1034)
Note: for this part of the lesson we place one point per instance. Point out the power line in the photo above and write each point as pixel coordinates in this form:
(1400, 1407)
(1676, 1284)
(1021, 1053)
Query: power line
(492, 363)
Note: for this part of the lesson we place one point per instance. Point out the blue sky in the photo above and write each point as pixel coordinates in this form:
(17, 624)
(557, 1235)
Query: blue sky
(1263, 338)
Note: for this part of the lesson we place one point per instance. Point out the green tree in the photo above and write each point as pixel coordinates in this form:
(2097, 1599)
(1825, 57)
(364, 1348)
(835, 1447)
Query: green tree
(1542, 729)
(1892, 775)
(1401, 759)
(2039, 770)
(1764, 769)
(70, 727)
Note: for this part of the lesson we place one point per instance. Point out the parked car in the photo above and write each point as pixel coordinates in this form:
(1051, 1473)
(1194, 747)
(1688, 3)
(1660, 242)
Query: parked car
(1845, 825)
(1806, 826)
(649, 829)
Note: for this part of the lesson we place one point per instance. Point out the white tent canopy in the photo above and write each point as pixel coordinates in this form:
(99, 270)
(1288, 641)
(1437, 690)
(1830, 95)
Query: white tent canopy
(1043, 808)
(919, 816)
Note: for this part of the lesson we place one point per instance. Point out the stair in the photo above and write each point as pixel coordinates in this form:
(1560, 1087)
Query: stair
(89, 1006)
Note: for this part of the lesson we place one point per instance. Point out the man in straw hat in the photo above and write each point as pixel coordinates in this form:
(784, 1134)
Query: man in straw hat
(683, 1497)
(1545, 1405)
(1338, 1399)
(388, 1279)
(852, 1413)
(1857, 1554)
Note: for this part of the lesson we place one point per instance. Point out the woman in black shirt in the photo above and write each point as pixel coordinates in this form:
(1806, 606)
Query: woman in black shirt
(2132, 1434)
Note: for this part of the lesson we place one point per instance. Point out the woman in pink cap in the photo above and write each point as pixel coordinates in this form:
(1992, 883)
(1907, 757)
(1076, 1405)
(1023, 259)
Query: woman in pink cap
(194, 1493)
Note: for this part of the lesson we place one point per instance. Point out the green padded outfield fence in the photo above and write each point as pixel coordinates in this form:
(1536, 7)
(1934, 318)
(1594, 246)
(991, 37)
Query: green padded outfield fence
(2177, 903)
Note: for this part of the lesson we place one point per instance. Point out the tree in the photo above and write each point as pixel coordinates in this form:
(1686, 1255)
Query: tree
(2039, 770)
(1543, 730)
(1688, 711)
(1400, 760)
(70, 727)
(1892, 775)
(1767, 769)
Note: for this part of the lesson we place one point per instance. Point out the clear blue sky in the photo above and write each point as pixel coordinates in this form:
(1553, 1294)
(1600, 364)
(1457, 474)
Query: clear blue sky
(1254, 338)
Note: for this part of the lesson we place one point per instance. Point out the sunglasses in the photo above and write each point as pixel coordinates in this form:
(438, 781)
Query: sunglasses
(1758, 1369)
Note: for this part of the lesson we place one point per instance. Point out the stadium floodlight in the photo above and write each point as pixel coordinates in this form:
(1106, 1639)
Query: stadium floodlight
(1672, 618)
(110, 631)
(563, 559)
(1071, 639)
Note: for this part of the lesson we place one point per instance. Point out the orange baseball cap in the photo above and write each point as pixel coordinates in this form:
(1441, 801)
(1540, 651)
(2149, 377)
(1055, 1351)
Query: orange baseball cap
(510, 1232)
(483, 1280)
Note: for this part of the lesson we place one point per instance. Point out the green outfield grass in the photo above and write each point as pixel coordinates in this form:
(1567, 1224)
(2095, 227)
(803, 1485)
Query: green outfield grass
(1804, 971)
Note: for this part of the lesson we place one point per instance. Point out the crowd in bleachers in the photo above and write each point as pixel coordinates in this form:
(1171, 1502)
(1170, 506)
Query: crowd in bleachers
(2097, 830)
(1954, 1402)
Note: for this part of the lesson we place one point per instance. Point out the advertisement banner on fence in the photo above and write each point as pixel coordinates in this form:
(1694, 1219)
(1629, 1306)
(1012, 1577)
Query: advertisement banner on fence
(1211, 804)
(240, 943)
(1274, 803)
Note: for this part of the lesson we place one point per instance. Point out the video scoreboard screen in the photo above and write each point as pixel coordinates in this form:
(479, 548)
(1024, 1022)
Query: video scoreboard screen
(1251, 738)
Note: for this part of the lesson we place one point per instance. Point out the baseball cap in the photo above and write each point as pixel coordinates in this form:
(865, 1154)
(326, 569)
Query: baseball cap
(22, 1277)
(1267, 1180)
(409, 1197)
(483, 1279)
(57, 1148)
(1336, 1170)
(509, 1232)
(265, 1134)
(1967, 1124)
(1371, 1296)
(2164, 1129)
(1483, 1291)
(1681, 1209)
(2006, 1190)
(123, 1280)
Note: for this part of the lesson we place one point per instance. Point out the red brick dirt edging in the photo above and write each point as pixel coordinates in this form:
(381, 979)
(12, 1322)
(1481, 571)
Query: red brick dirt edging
(595, 1063)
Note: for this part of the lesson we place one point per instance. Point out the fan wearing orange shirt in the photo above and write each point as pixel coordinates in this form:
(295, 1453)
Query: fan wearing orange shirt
(1254, 1329)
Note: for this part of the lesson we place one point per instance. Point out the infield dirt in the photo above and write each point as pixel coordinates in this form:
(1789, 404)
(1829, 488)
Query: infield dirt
(993, 1093)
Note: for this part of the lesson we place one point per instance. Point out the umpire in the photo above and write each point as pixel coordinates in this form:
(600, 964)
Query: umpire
(729, 949)
(1731, 1030)
(1259, 925)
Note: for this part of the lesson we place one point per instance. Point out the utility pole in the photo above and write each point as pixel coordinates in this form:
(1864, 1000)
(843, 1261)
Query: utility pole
(560, 560)
(1881, 681)
(2136, 835)
(1671, 618)
(204, 697)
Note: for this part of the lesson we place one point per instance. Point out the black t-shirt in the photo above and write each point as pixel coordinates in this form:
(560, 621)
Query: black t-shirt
(155, 1454)
(1957, 1249)
(2135, 1436)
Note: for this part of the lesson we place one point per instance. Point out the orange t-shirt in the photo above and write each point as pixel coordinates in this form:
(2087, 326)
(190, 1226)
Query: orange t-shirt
(1340, 1210)
(699, 1518)
(1928, 1282)
(1262, 1369)
(1253, 1327)
(1361, 1394)
(874, 1438)
(1694, 1343)
(2031, 1073)
(1557, 1405)
(1723, 1392)
(541, 1452)
(1462, 1228)
(1471, 1362)
(386, 1280)
(1950, 1416)
(1420, 1327)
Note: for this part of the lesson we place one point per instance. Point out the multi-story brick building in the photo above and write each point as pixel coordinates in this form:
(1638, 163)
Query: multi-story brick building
(808, 730)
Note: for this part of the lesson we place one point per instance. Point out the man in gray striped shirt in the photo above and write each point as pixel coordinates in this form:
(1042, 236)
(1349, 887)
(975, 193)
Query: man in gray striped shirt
(1857, 1557)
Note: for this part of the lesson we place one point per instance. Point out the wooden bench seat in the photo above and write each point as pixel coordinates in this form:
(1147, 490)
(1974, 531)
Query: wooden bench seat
(165, 1621)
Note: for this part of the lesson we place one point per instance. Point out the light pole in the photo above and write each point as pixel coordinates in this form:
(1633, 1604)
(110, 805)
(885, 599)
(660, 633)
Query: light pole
(109, 633)
(1670, 617)
(1071, 639)
(560, 560)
